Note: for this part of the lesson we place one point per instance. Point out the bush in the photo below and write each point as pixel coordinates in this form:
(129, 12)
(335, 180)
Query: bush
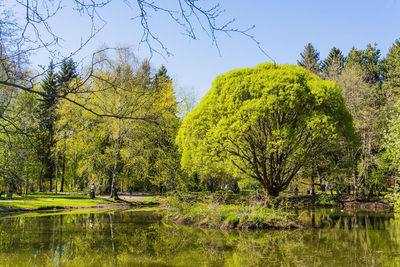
(208, 213)
(393, 197)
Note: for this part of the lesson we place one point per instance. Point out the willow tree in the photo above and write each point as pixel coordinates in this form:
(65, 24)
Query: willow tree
(263, 122)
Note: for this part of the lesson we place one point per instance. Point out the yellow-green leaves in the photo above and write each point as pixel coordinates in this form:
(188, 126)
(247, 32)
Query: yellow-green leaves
(264, 121)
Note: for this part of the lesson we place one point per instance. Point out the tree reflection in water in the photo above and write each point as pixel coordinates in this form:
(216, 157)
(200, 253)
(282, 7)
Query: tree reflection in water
(143, 238)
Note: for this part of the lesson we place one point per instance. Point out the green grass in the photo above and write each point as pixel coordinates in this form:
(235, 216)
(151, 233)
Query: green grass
(48, 195)
(149, 201)
(43, 201)
(228, 216)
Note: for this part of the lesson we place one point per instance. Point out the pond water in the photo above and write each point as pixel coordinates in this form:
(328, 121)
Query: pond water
(141, 238)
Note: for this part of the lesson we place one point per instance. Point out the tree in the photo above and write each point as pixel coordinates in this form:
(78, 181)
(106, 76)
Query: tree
(263, 122)
(65, 76)
(47, 121)
(391, 73)
(19, 162)
(392, 139)
(27, 27)
(310, 59)
(369, 61)
(132, 149)
(333, 65)
(67, 72)
(366, 102)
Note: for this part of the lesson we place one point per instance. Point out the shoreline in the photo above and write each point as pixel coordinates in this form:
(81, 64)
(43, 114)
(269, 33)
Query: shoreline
(54, 204)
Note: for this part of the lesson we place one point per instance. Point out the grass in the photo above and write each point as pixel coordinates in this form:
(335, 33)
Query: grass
(228, 216)
(44, 201)
(149, 201)
(48, 195)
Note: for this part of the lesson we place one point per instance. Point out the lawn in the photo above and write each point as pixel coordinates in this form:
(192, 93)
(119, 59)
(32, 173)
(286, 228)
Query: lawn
(41, 201)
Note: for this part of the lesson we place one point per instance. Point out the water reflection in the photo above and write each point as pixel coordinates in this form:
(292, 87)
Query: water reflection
(141, 238)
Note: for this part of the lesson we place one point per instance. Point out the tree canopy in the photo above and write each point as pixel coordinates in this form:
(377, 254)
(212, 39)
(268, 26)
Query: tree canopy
(263, 122)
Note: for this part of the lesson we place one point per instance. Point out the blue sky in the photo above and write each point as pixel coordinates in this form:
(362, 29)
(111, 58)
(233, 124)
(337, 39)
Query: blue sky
(283, 27)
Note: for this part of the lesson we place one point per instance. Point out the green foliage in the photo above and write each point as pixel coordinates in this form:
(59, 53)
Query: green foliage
(132, 146)
(310, 59)
(391, 73)
(263, 123)
(368, 60)
(225, 216)
(333, 65)
(19, 162)
(366, 101)
(43, 203)
(325, 199)
(67, 72)
(393, 197)
(392, 138)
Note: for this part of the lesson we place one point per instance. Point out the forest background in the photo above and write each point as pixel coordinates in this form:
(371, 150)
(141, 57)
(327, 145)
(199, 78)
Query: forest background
(114, 122)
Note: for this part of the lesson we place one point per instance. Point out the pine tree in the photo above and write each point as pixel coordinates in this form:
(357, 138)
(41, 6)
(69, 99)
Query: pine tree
(160, 77)
(49, 86)
(391, 72)
(67, 71)
(372, 64)
(47, 121)
(369, 61)
(143, 75)
(64, 76)
(310, 59)
(354, 58)
(333, 65)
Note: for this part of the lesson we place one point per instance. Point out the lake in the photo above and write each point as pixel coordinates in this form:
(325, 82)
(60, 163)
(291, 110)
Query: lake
(142, 238)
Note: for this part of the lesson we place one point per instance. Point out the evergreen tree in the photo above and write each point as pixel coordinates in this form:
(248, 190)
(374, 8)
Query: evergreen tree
(67, 71)
(47, 121)
(369, 61)
(354, 58)
(310, 59)
(391, 72)
(49, 86)
(65, 75)
(372, 64)
(143, 75)
(333, 65)
(161, 75)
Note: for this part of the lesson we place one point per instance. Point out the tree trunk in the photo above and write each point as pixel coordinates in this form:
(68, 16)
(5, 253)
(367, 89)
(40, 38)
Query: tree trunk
(63, 172)
(272, 192)
(312, 185)
(114, 190)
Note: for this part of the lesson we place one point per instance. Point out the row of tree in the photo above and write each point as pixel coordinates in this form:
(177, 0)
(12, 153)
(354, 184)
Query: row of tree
(119, 127)
(334, 124)
(370, 87)
(116, 129)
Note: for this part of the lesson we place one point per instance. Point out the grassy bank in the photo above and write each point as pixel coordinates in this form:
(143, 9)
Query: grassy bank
(44, 201)
(227, 216)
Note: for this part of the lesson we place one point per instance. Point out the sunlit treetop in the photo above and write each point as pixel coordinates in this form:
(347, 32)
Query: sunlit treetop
(263, 122)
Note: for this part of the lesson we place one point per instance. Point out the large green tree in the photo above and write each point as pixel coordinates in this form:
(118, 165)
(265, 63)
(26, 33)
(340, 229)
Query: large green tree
(134, 146)
(263, 122)
(366, 101)
(47, 121)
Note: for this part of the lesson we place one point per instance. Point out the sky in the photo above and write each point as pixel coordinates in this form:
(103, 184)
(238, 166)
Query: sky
(282, 27)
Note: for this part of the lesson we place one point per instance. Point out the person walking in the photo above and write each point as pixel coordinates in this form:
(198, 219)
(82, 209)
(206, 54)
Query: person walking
(92, 189)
